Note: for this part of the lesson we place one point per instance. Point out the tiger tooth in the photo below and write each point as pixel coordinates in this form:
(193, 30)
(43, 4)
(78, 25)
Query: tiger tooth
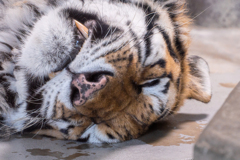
(82, 29)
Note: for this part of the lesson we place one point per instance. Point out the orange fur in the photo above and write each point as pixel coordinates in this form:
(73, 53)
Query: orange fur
(125, 114)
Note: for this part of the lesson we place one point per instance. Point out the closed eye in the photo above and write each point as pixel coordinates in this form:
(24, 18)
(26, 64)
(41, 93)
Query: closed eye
(151, 83)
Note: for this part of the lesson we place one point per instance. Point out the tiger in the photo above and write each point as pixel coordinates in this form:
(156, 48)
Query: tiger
(95, 71)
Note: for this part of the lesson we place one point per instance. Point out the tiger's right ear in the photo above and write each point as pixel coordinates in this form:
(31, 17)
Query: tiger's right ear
(83, 29)
(199, 85)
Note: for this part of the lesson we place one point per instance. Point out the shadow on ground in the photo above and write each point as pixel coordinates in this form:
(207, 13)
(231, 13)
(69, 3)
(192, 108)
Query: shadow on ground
(177, 129)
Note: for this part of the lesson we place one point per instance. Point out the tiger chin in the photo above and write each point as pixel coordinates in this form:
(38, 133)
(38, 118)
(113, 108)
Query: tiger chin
(95, 71)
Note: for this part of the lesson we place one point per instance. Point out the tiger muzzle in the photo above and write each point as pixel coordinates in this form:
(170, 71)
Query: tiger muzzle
(85, 85)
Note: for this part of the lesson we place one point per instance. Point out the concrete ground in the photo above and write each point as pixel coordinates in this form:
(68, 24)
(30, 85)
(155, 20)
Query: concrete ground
(172, 139)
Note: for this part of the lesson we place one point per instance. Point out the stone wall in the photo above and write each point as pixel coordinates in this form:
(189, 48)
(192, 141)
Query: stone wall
(215, 13)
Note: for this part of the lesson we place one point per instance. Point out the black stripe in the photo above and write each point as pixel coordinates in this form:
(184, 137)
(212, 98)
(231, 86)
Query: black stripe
(138, 121)
(168, 42)
(130, 59)
(160, 62)
(83, 139)
(95, 50)
(28, 25)
(145, 105)
(111, 51)
(46, 109)
(151, 107)
(150, 84)
(179, 45)
(110, 136)
(106, 44)
(22, 33)
(128, 134)
(1, 119)
(6, 56)
(151, 18)
(1, 68)
(34, 100)
(7, 74)
(19, 38)
(161, 110)
(9, 46)
(178, 82)
(18, 68)
(10, 96)
(63, 113)
(54, 107)
(137, 44)
(165, 91)
(35, 9)
(171, 7)
(176, 107)
(170, 76)
(164, 114)
(122, 1)
(64, 131)
(33, 104)
(35, 83)
(119, 135)
(125, 1)
(52, 2)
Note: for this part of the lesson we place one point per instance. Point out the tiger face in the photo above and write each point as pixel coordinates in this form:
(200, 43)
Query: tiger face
(105, 71)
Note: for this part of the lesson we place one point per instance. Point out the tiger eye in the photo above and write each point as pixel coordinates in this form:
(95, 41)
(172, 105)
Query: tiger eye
(78, 44)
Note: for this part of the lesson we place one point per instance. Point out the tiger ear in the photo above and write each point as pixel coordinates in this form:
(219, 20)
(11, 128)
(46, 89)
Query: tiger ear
(83, 29)
(199, 85)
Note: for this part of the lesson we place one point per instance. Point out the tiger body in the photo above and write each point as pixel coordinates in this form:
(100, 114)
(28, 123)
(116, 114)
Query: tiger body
(132, 70)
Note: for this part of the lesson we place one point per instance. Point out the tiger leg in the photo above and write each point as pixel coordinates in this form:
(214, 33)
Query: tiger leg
(121, 128)
(63, 130)
(65, 124)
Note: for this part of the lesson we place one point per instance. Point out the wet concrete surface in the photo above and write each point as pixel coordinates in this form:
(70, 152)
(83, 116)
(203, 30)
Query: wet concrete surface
(171, 139)
(220, 139)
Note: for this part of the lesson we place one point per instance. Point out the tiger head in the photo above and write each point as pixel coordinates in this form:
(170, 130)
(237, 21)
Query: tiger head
(116, 63)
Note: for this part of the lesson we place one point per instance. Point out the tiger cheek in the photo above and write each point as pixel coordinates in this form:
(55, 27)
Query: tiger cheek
(119, 91)
(106, 103)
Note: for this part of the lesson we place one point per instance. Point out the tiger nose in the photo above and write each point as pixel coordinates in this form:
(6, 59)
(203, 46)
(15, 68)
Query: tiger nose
(84, 85)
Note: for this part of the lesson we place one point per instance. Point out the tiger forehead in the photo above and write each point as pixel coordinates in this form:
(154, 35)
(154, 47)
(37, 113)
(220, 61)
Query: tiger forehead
(145, 26)
(120, 59)
(127, 62)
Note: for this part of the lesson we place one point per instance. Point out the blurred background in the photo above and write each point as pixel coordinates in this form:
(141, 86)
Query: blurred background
(216, 37)
(215, 13)
(216, 33)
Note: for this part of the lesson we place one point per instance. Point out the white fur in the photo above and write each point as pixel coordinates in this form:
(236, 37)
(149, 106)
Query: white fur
(61, 92)
(158, 98)
(203, 67)
(20, 85)
(158, 48)
(37, 51)
(95, 136)
(16, 118)
(59, 124)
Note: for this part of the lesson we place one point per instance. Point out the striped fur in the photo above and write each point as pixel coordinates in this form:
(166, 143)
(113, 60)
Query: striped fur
(139, 45)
